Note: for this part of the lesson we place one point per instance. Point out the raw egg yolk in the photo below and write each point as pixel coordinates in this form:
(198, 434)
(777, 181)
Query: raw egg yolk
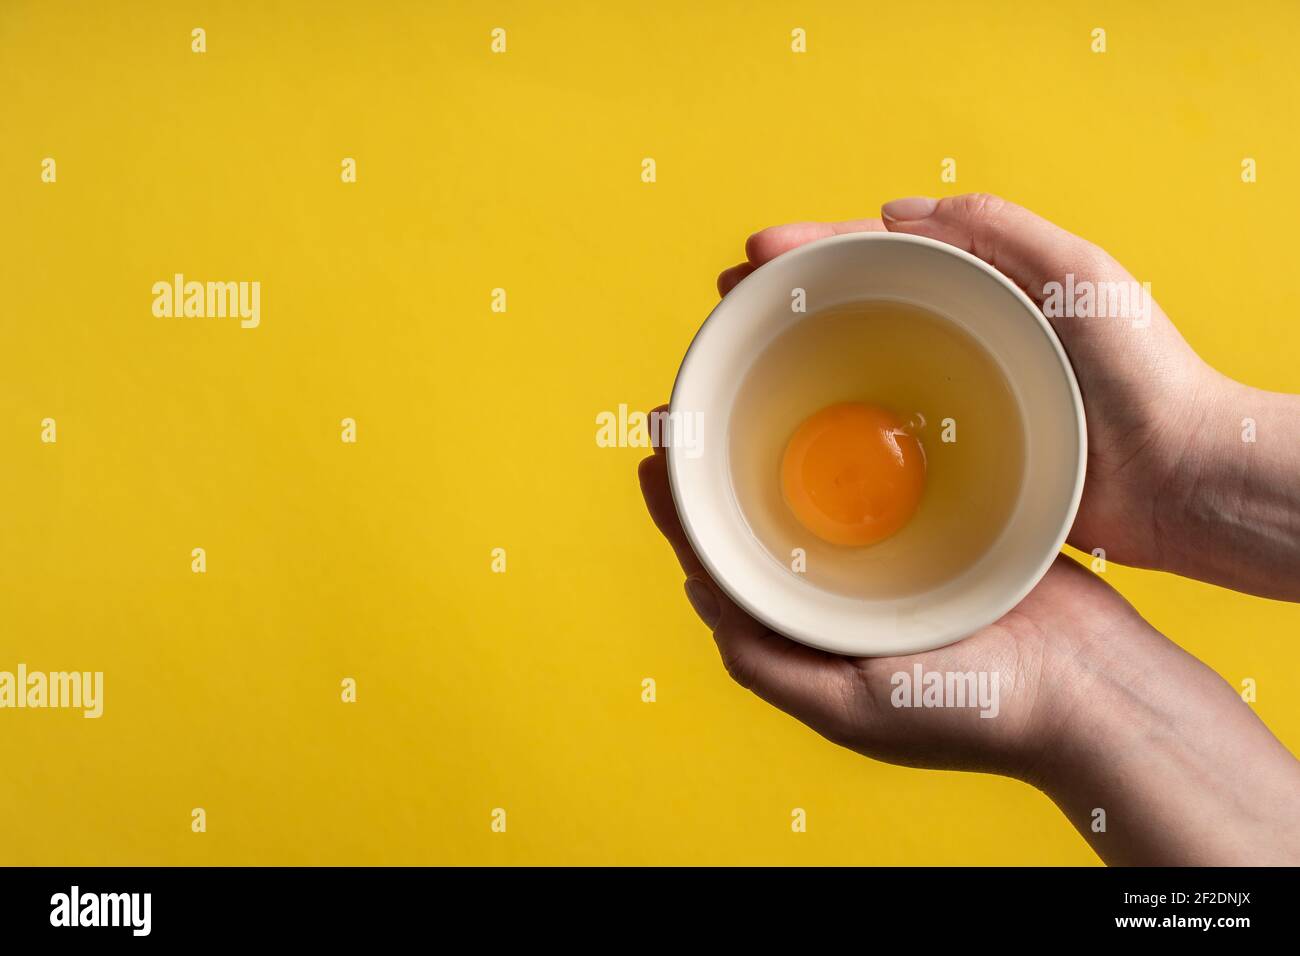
(852, 474)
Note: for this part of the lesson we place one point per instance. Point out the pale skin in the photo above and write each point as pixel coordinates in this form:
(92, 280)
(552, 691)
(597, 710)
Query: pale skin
(1098, 709)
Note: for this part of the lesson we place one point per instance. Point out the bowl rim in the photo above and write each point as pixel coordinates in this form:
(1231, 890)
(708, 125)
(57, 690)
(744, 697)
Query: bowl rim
(834, 644)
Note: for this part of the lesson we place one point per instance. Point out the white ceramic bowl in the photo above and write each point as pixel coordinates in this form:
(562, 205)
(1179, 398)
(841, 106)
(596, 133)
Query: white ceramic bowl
(954, 285)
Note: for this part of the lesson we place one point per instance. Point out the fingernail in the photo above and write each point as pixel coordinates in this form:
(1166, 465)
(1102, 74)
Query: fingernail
(908, 210)
(704, 601)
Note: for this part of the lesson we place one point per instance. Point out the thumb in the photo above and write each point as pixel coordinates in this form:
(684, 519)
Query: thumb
(1026, 248)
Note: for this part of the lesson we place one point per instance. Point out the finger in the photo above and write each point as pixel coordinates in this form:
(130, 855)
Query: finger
(728, 279)
(767, 244)
(1021, 245)
(808, 684)
(658, 495)
(658, 412)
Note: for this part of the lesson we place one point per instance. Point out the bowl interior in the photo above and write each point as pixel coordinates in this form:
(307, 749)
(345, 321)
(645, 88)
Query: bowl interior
(945, 281)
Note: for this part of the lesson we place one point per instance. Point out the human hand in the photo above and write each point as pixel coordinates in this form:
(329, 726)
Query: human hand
(1170, 484)
(1032, 651)
(1093, 706)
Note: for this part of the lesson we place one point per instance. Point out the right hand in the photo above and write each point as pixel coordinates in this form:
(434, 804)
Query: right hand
(1166, 486)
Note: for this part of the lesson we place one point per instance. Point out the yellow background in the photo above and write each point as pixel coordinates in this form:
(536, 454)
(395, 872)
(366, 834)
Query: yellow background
(476, 430)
